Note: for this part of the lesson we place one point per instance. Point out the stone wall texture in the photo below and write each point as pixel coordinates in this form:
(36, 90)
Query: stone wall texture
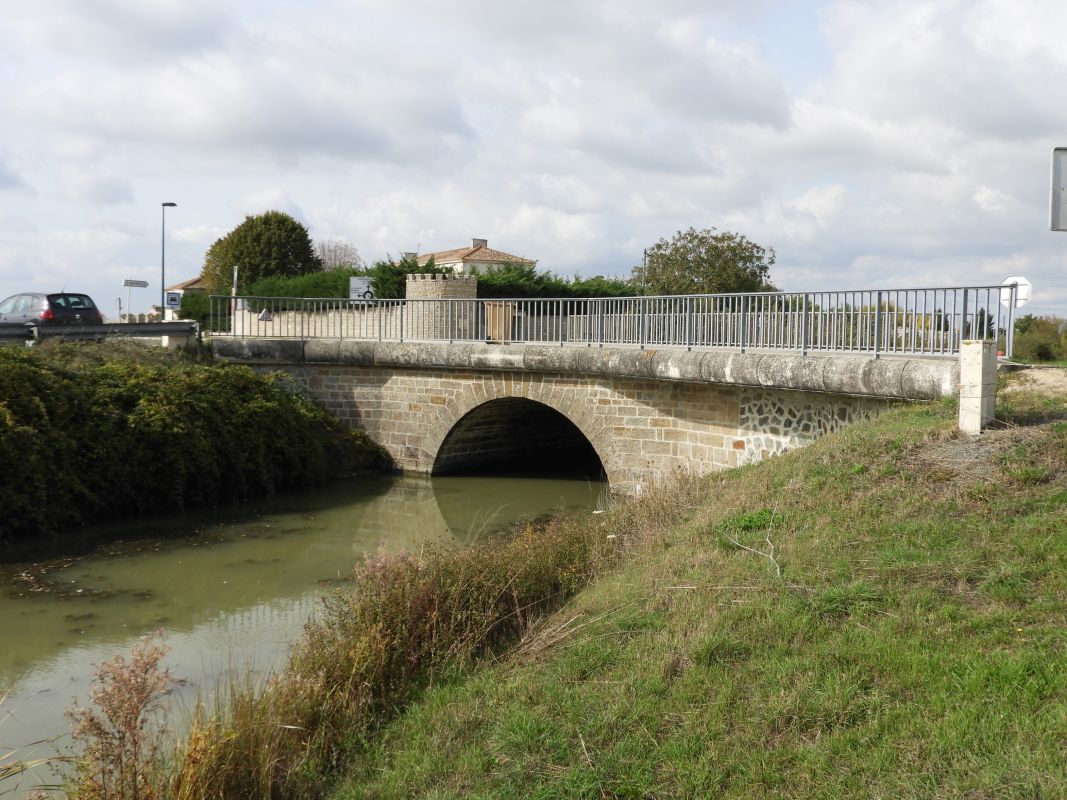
(642, 430)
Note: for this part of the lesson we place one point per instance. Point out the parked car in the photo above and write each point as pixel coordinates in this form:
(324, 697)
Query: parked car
(60, 308)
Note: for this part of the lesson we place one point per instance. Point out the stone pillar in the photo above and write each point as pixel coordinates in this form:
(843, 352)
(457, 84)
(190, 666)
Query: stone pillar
(426, 319)
(978, 384)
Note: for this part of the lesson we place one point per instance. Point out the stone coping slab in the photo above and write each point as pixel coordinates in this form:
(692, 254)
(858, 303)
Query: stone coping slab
(909, 378)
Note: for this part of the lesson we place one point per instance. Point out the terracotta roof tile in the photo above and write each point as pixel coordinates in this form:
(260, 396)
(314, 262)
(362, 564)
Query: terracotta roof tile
(474, 255)
(193, 284)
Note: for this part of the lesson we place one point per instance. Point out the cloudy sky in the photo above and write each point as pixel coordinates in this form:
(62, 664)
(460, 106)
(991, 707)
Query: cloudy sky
(872, 144)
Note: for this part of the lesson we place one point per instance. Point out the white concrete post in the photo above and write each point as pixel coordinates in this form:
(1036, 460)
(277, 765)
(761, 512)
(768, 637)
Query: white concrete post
(978, 384)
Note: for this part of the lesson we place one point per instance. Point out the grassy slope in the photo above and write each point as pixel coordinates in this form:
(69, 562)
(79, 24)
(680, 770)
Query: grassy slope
(914, 645)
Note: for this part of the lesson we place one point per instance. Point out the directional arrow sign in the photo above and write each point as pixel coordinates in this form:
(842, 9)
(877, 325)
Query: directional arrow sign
(135, 284)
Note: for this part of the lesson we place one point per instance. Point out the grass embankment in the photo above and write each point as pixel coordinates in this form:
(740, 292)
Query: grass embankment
(881, 614)
(878, 615)
(97, 432)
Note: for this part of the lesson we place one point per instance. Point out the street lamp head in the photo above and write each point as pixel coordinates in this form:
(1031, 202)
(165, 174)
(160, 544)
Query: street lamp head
(170, 205)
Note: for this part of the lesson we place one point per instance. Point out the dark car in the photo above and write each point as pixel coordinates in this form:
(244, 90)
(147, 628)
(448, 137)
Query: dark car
(61, 308)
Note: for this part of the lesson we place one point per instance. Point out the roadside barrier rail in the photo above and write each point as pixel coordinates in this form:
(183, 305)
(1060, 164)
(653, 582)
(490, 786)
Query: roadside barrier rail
(927, 322)
(20, 332)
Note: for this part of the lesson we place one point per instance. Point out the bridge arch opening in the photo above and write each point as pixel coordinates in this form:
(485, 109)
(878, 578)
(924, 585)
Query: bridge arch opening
(516, 436)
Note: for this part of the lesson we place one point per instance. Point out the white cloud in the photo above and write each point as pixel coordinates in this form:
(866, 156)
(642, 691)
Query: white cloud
(95, 190)
(133, 30)
(9, 179)
(877, 143)
(274, 199)
(989, 199)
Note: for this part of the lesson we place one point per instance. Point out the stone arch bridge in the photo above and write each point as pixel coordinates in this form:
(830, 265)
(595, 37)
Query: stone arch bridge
(641, 414)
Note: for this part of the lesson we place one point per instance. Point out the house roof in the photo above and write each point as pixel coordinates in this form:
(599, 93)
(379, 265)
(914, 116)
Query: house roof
(192, 285)
(477, 254)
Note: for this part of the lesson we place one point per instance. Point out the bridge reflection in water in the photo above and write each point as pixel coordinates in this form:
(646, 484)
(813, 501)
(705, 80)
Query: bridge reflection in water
(229, 590)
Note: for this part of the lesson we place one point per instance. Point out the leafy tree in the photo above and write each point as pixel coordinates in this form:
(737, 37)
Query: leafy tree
(195, 305)
(338, 254)
(705, 262)
(271, 243)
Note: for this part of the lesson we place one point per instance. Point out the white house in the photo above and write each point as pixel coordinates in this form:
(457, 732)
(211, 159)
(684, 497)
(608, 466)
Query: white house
(477, 255)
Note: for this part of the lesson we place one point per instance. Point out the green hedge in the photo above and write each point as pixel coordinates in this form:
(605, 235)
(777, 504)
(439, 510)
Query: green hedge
(315, 284)
(86, 437)
(523, 280)
(388, 280)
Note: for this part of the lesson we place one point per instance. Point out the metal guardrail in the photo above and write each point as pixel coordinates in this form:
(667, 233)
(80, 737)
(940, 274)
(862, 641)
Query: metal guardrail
(29, 333)
(928, 322)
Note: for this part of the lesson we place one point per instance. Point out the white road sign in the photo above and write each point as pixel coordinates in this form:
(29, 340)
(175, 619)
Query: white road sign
(359, 289)
(135, 284)
(1023, 290)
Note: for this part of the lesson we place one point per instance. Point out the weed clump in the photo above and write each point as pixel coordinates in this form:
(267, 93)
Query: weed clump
(122, 734)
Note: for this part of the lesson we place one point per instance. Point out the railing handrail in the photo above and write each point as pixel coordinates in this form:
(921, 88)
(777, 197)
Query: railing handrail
(780, 293)
(927, 321)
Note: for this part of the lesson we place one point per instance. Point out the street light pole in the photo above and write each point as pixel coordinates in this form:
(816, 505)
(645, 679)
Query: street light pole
(163, 261)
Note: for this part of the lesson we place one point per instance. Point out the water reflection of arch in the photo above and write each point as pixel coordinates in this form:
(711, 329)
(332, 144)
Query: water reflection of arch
(487, 425)
(503, 500)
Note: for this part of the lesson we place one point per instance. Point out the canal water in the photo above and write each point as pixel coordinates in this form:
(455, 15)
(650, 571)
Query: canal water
(228, 590)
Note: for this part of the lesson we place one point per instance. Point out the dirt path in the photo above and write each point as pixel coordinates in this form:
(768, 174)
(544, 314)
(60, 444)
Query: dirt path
(1037, 397)
(1043, 380)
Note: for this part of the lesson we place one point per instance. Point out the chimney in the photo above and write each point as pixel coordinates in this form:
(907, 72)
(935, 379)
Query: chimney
(476, 243)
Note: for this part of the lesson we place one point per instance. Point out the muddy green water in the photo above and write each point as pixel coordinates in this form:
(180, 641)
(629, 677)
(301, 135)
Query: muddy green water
(229, 591)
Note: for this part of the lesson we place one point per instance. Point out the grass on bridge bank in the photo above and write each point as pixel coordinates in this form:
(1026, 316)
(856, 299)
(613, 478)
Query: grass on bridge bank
(882, 614)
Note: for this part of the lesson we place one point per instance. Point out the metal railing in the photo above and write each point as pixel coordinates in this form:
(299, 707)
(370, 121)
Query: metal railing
(21, 332)
(928, 322)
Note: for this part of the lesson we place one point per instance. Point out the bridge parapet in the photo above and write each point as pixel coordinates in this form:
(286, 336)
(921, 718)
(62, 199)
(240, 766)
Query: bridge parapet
(860, 376)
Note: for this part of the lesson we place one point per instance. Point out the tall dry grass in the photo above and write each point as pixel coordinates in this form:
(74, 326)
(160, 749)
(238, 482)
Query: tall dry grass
(412, 619)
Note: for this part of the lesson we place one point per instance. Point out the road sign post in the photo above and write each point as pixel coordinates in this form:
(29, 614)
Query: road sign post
(130, 284)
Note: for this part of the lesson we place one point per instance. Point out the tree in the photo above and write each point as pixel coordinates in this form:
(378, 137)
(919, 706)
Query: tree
(271, 243)
(705, 262)
(388, 278)
(338, 254)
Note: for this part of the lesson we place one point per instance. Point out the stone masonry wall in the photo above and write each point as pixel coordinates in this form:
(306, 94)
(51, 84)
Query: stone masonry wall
(642, 430)
(772, 422)
(432, 320)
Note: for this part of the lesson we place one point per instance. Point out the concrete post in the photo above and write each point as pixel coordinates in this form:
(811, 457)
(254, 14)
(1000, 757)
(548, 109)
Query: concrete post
(978, 384)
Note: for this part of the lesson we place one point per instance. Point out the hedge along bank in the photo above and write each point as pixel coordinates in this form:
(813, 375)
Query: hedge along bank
(91, 433)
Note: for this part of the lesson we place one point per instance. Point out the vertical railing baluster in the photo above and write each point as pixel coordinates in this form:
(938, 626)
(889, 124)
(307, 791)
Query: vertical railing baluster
(877, 324)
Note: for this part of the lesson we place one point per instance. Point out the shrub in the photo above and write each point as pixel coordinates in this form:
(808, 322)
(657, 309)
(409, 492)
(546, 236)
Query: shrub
(85, 437)
(523, 280)
(196, 305)
(1040, 338)
(315, 284)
